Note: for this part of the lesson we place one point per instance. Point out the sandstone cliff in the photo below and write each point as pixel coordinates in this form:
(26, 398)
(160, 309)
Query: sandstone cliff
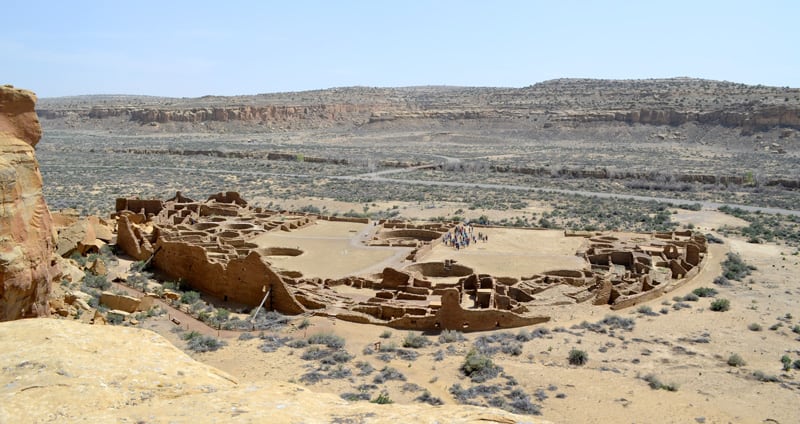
(673, 102)
(63, 371)
(27, 237)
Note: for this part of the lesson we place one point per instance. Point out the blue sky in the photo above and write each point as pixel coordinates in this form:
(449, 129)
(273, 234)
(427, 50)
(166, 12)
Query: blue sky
(195, 48)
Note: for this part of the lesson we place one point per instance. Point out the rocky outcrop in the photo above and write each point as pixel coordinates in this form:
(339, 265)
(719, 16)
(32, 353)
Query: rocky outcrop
(27, 236)
(124, 374)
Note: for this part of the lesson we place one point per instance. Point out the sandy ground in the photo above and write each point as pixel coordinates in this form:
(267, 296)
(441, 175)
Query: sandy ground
(330, 250)
(515, 252)
(687, 348)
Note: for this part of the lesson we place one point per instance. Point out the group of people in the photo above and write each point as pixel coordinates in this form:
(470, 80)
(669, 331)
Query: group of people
(462, 235)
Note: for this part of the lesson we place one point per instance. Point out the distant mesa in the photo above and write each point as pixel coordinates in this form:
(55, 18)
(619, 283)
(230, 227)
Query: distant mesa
(555, 103)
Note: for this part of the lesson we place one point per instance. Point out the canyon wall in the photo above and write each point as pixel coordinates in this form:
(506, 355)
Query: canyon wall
(27, 236)
(672, 102)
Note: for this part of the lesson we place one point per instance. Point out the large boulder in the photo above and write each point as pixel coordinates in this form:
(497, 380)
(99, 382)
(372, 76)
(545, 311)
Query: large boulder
(27, 236)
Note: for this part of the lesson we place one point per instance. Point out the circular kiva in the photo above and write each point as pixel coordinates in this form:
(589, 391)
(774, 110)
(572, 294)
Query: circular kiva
(280, 251)
(440, 269)
(417, 234)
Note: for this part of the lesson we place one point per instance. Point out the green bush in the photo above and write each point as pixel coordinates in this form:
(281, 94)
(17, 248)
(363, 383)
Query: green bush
(656, 384)
(705, 292)
(734, 268)
(96, 281)
(451, 336)
(189, 297)
(205, 344)
(767, 378)
(328, 339)
(787, 362)
(479, 367)
(382, 399)
(415, 341)
(720, 305)
(736, 361)
(577, 357)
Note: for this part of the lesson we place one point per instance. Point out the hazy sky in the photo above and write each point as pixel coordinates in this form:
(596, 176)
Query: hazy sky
(194, 48)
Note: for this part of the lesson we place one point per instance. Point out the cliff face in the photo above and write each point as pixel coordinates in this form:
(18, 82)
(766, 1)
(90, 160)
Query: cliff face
(649, 102)
(27, 236)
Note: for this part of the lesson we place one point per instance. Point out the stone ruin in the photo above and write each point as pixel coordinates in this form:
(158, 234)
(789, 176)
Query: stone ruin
(208, 245)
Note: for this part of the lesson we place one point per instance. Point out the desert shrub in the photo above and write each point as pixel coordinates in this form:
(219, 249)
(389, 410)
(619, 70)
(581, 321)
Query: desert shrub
(796, 364)
(203, 343)
(189, 297)
(538, 333)
(438, 355)
(479, 367)
(272, 343)
(385, 334)
(364, 367)
(681, 305)
(138, 266)
(312, 377)
(388, 374)
(767, 378)
(754, 326)
(735, 360)
(189, 335)
(415, 341)
(519, 402)
(577, 357)
(382, 399)
(139, 280)
(339, 372)
(267, 320)
(787, 362)
(722, 281)
(353, 397)
(712, 239)
(656, 384)
(426, 397)
(705, 291)
(297, 343)
(796, 329)
(388, 347)
(451, 336)
(315, 353)
(646, 310)
(720, 305)
(513, 348)
(304, 323)
(96, 281)
(734, 268)
(339, 357)
(246, 336)
(407, 355)
(327, 339)
(617, 322)
(690, 297)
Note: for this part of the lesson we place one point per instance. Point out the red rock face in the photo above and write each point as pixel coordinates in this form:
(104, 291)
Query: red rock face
(27, 236)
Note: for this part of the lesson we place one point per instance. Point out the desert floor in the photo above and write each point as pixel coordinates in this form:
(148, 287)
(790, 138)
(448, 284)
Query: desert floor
(685, 348)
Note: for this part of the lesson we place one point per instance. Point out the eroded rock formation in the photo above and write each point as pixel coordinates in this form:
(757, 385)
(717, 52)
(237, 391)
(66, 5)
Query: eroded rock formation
(27, 237)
